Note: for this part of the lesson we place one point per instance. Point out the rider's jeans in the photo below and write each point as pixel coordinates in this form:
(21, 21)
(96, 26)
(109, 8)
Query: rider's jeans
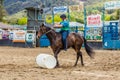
(64, 38)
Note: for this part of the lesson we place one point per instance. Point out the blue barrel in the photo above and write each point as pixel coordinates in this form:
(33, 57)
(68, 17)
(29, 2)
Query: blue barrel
(44, 41)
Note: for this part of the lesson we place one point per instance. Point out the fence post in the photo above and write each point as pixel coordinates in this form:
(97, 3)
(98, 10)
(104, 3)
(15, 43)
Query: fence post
(85, 25)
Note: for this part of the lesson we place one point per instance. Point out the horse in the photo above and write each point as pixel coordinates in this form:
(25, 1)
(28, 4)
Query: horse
(74, 40)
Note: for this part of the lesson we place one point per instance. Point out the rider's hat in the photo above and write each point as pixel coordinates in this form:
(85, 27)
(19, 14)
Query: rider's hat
(63, 16)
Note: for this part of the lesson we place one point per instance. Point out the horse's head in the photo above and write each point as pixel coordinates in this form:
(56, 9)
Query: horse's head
(43, 30)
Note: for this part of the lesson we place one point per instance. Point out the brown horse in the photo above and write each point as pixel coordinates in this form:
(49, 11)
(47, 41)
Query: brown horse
(74, 40)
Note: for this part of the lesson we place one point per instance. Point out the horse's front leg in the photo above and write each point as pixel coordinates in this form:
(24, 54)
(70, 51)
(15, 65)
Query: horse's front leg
(56, 52)
(56, 56)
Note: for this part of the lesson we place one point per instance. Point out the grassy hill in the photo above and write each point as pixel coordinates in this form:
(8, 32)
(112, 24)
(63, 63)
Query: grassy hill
(92, 6)
(13, 6)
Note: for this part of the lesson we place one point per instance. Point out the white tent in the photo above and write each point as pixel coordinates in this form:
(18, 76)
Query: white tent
(73, 24)
(5, 26)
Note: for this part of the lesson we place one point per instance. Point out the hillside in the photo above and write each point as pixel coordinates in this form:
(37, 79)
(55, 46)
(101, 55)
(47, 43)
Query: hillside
(92, 7)
(13, 6)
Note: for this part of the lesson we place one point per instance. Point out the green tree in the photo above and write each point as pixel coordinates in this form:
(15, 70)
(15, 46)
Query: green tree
(107, 17)
(1, 9)
(49, 18)
(118, 14)
(79, 20)
(113, 17)
(72, 18)
(22, 21)
(57, 18)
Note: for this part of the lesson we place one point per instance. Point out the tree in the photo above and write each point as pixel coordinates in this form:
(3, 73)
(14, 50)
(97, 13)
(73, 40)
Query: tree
(1, 2)
(22, 21)
(57, 18)
(1, 9)
(49, 18)
(113, 17)
(107, 17)
(118, 14)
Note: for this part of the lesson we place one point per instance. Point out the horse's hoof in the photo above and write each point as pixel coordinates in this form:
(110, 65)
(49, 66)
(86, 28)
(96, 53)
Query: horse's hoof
(57, 66)
(83, 65)
(74, 65)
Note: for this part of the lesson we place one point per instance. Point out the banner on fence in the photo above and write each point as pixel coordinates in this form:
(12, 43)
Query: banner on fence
(74, 8)
(60, 9)
(30, 37)
(112, 5)
(81, 6)
(10, 35)
(94, 21)
(5, 34)
(77, 8)
(0, 34)
(19, 36)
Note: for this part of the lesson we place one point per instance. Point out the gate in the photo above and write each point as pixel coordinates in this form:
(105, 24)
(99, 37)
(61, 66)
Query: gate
(111, 36)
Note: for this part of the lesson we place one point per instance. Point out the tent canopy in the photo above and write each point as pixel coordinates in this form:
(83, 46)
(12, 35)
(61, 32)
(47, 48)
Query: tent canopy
(5, 26)
(73, 24)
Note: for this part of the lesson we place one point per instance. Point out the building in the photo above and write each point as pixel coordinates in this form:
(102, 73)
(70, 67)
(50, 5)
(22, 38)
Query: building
(35, 18)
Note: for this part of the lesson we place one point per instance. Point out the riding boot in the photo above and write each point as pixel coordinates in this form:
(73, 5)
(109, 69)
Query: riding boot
(65, 45)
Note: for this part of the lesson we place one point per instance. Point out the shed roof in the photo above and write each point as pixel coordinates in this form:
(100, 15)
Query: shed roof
(46, 10)
(32, 8)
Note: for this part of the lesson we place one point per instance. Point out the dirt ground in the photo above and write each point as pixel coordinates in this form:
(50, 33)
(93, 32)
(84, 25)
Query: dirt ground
(19, 64)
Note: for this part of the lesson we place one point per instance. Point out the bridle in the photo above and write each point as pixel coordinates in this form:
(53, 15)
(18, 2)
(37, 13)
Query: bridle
(48, 31)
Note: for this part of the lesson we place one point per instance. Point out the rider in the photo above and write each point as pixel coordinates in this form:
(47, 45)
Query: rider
(64, 25)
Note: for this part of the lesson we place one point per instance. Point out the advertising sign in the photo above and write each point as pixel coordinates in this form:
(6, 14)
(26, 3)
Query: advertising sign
(112, 5)
(11, 35)
(94, 21)
(61, 9)
(5, 34)
(1, 34)
(19, 36)
(30, 37)
(77, 8)
(74, 8)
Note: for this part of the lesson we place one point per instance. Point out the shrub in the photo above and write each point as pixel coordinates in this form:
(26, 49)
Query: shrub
(22, 21)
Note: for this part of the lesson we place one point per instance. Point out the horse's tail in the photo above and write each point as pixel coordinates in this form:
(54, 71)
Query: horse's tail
(88, 49)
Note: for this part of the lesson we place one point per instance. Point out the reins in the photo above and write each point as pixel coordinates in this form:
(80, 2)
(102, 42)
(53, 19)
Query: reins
(48, 31)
